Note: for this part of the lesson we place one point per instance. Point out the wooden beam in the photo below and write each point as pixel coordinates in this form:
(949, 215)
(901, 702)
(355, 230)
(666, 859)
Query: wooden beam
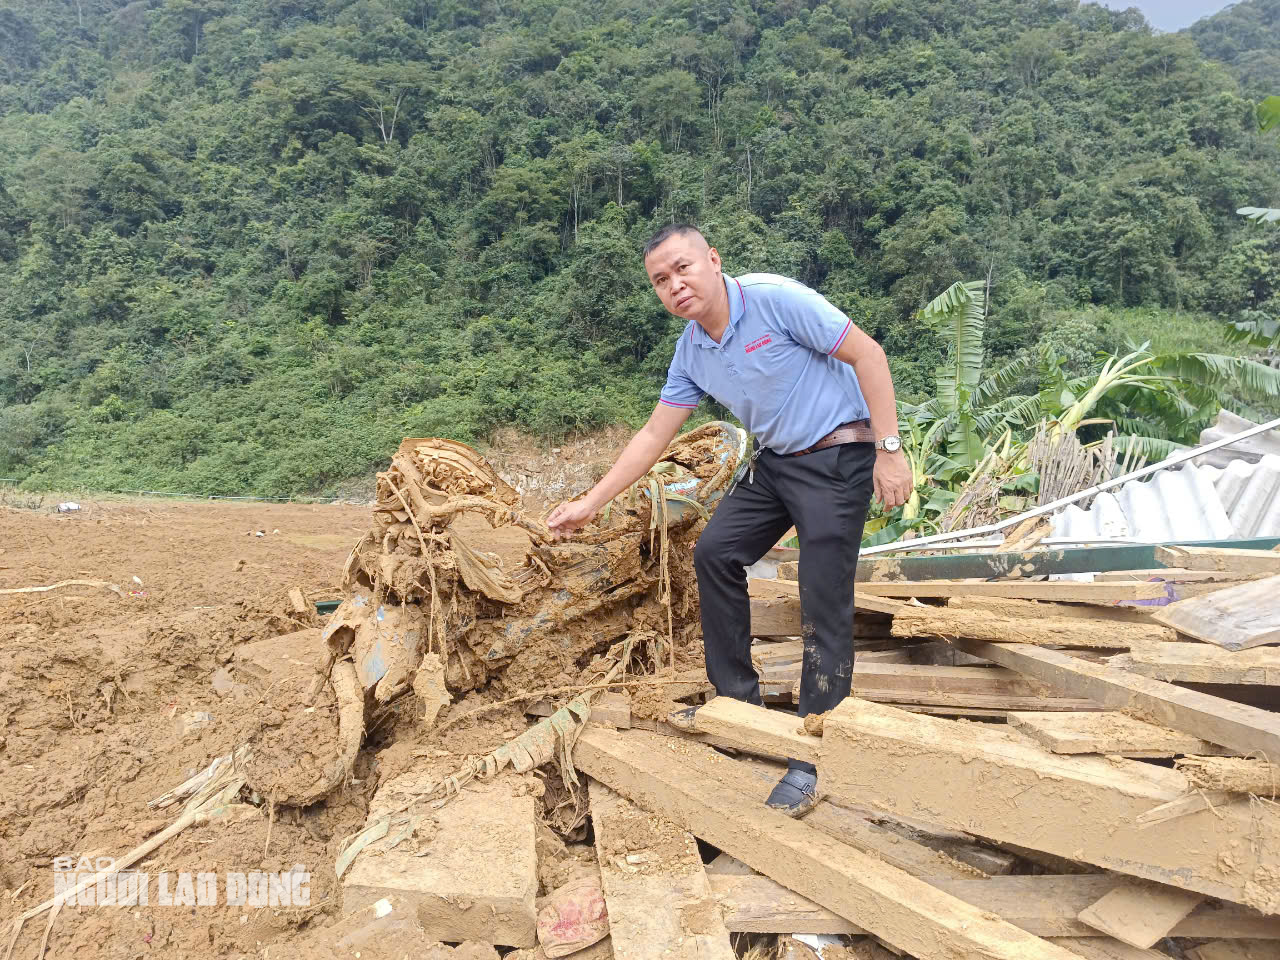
(782, 589)
(1017, 623)
(919, 848)
(661, 906)
(1108, 949)
(1046, 906)
(1168, 574)
(778, 616)
(769, 733)
(1081, 807)
(1203, 663)
(932, 685)
(1235, 725)
(1140, 913)
(1244, 563)
(1047, 609)
(611, 709)
(755, 904)
(920, 679)
(1058, 590)
(665, 777)
(1111, 734)
(1235, 618)
(1234, 950)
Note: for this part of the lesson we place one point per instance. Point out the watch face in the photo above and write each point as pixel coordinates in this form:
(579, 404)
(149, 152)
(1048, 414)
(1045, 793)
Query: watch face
(892, 444)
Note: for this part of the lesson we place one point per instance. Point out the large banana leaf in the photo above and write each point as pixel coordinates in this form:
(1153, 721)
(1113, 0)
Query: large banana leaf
(959, 314)
(1218, 371)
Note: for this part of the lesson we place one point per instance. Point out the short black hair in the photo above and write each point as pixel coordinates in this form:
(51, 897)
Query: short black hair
(666, 233)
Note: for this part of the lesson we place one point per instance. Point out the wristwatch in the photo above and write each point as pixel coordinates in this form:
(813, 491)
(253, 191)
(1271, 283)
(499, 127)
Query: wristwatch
(889, 444)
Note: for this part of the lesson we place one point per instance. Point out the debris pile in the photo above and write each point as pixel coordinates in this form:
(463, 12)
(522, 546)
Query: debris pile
(419, 589)
(1024, 770)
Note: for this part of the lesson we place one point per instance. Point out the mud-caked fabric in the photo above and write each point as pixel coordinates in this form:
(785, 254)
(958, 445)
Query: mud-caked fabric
(825, 494)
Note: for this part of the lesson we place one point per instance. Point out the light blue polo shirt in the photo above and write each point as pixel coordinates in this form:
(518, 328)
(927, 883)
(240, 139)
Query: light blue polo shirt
(773, 367)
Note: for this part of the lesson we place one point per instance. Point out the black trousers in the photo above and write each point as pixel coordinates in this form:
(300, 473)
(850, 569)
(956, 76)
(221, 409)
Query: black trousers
(825, 494)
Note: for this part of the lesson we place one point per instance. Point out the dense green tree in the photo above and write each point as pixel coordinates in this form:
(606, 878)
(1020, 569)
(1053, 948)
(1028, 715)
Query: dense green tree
(246, 245)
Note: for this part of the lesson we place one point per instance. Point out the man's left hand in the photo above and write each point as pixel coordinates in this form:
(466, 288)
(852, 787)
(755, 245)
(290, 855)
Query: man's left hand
(892, 479)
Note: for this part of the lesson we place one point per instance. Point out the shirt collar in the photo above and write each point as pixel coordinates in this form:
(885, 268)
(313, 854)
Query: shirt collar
(737, 307)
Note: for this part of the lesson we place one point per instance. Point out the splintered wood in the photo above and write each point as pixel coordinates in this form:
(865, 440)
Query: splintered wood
(1140, 913)
(1235, 618)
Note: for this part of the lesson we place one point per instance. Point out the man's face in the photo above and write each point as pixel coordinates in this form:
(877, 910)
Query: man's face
(685, 273)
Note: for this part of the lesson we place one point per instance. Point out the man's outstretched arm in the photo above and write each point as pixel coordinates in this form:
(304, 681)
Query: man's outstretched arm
(641, 453)
(892, 475)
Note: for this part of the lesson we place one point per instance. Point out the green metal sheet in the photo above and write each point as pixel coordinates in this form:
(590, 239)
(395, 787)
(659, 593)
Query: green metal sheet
(1099, 559)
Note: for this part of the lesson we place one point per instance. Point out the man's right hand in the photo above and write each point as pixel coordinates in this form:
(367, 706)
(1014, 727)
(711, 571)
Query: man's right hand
(569, 517)
(641, 453)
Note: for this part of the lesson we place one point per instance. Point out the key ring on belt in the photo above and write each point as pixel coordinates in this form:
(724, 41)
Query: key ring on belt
(748, 466)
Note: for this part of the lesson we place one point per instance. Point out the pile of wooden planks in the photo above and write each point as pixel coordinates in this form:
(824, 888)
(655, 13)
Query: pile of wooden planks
(1017, 774)
(1027, 769)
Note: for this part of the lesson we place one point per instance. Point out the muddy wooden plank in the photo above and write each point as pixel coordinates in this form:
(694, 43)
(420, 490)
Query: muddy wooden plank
(935, 685)
(478, 876)
(976, 704)
(1140, 913)
(947, 703)
(1048, 610)
(770, 733)
(1110, 733)
(1221, 560)
(1111, 949)
(756, 904)
(676, 780)
(954, 566)
(780, 590)
(1082, 807)
(1235, 950)
(1235, 619)
(1235, 725)
(661, 906)
(1170, 574)
(919, 848)
(923, 621)
(611, 709)
(1046, 905)
(1204, 663)
(1057, 590)
(777, 615)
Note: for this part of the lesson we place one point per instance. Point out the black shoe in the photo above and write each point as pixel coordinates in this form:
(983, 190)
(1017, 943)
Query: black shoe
(796, 793)
(684, 719)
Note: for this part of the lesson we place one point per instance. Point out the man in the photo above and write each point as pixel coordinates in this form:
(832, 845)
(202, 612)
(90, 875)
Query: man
(815, 392)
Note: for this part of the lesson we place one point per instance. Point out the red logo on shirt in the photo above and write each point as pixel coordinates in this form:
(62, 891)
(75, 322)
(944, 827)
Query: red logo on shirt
(759, 342)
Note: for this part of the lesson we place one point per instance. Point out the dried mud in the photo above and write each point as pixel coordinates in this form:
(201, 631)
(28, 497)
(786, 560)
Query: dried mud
(93, 693)
(103, 700)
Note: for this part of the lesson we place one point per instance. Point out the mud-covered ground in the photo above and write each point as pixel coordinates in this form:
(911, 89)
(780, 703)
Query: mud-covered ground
(97, 693)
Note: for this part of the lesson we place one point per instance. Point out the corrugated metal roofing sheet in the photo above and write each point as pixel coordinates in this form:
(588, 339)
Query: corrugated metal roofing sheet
(1191, 503)
(1228, 425)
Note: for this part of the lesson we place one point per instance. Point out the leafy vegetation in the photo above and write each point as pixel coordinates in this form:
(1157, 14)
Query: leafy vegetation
(247, 245)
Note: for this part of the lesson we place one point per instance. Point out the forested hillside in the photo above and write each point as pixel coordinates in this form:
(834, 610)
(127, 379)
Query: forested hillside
(247, 245)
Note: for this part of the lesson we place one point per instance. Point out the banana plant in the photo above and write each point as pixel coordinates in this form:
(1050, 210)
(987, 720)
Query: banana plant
(959, 314)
